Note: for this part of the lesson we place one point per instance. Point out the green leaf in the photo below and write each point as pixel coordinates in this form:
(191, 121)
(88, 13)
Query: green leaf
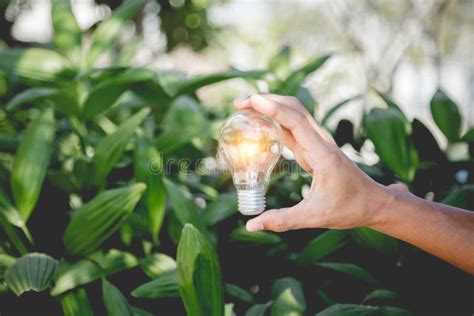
(6, 261)
(76, 303)
(462, 197)
(88, 270)
(108, 31)
(446, 115)
(98, 219)
(107, 92)
(140, 312)
(157, 264)
(199, 276)
(148, 165)
(67, 34)
(469, 136)
(288, 297)
(351, 270)
(221, 208)
(182, 204)
(390, 103)
(258, 309)
(182, 122)
(373, 239)
(280, 63)
(296, 78)
(322, 246)
(115, 303)
(386, 128)
(12, 216)
(238, 292)
(109, 151)
(35, 63)
(31, 161)
(335, 108)
(191, 85)
(165, 285)
(29, 95)
(33, 271)
(361, 310)
(260, 237)
(380, 295)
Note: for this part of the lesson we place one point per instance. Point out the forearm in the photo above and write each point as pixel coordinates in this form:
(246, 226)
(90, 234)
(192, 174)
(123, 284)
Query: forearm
(441, 230)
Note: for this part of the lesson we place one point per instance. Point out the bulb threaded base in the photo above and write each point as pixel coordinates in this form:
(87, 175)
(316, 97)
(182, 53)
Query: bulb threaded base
(251, 202)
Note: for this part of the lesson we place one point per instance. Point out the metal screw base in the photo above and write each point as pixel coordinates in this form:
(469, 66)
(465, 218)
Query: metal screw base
(251, 202)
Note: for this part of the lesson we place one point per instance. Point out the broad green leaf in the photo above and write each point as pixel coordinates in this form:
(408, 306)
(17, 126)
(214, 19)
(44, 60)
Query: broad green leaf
(33, 271)
(335, 108)
(88, 270)
(106, 93)
(373, 239)
(157, 264)
(31, 161)
(67, 34)
(115, 303)
(221, 208)
(288, 297)
(361, 310)
(109, 30)
(290, 85)
(260, 237)
(462, 197)
(446, 115)
(322, 246)
(380, 295)
(258, 309)
(29, 95)
(182, 204)
(165, 285)
(349, 269)
(191, 85)
(98, 219)
(76, 303)
(426, 144)
(238, 292)
(182, 122)
(386, 129)
(199, 276)
(109, 151)
(148, 163)
(35, 63)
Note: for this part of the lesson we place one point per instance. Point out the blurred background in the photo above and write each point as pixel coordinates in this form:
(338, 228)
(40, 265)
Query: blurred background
(404, 48)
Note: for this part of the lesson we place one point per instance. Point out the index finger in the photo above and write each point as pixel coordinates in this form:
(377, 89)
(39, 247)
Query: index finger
(293, 120)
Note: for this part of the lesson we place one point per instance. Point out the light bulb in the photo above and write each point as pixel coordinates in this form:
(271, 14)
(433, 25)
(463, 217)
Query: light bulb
(250, 144)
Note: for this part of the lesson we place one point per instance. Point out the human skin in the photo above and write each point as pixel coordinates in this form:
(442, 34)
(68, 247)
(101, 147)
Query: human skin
(343, 197)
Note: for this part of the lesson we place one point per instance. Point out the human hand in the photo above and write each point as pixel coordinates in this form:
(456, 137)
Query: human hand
(341, 195)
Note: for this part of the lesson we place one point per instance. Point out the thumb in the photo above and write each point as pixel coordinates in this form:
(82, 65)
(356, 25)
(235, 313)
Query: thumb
(278, 220)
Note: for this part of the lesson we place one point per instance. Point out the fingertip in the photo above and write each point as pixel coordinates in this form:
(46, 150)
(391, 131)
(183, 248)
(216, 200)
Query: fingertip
(253, 226)
(242, 102)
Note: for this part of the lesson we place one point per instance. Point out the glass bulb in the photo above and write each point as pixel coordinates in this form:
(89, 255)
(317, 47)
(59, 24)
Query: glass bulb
(250, 144)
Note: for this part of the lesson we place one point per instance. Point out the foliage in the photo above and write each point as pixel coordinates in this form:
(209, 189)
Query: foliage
(91, 182)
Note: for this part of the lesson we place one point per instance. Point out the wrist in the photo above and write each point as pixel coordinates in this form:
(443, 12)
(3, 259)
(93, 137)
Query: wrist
(385, 207)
